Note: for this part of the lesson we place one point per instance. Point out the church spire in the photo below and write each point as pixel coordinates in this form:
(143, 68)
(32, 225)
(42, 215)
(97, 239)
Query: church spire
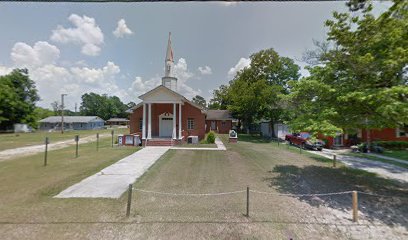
(169, 80)
(169, 53)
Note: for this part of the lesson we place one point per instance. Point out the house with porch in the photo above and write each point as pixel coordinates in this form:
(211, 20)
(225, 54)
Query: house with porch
(164, 116)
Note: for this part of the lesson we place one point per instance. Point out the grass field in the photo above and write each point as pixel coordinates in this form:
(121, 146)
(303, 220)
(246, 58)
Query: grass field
(400, 154)
(28, 211)
(378, 159)
(14, 140)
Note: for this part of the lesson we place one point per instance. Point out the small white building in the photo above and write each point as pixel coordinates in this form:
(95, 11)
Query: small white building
(280, 129)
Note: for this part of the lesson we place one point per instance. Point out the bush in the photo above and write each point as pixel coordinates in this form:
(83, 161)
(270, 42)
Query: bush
(211, 137)
(392, 145)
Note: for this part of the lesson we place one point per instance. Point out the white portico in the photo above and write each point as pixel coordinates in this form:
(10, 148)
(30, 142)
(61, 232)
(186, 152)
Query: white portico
(164, 114)
(167, 113)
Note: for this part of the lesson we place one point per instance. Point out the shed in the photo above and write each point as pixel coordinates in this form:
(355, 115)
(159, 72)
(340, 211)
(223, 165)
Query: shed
(72, 123)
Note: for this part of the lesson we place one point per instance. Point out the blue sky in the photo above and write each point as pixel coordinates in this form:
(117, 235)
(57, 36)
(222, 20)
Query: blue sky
(119, 48)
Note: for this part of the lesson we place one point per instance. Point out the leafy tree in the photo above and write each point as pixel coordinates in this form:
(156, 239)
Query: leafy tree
(257, 91)
(18, 96)
(220, 99)
(102, 106)
(42, 113)
(361, 82)
(200, 101)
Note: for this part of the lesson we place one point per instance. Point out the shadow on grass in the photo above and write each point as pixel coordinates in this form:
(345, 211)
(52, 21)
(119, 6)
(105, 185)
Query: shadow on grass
(256, 138)
(318, 179)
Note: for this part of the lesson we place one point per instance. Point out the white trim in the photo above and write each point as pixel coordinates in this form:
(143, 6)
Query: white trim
(149, 130)
(179, 135)
(144, 122)
(174, 121)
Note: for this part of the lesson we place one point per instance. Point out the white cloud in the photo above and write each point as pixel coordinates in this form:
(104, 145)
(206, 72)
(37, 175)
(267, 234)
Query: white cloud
(42, 53)
(5, 70)
(242, 63)
(205, 70)
(122, 29)
(227, 4)
(85, 33)
(140, 86)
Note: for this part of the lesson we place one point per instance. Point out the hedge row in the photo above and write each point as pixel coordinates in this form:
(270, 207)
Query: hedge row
(392, 145)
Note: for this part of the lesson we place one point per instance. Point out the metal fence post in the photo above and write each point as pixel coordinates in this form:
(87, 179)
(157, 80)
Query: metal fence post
(112, 132)
(355, 206)
(46, 151)
(247, 202)
(129, 201)
(76, 148)
(97, 141)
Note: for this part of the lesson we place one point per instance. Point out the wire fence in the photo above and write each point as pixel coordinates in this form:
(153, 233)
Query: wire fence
(248, 202)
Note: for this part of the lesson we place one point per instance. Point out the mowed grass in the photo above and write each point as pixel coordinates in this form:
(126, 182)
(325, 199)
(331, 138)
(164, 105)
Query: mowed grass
(400, 154)
(15, 140)
(27, 187)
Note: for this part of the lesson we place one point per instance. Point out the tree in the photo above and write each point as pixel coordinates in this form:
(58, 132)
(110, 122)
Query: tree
(361, 82)
(102, 106)
(18, 96)
(220, 99)
(42, 113)
(200, 101)
(256, 92)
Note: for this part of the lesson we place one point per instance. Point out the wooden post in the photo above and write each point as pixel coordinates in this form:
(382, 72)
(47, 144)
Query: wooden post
(129, 202)
(278, 142)
(46, 151)
(112, 132)
(334, 160)
(247, 203)
(97, 141)
(355, 206)
(76, 148)
(300, 149)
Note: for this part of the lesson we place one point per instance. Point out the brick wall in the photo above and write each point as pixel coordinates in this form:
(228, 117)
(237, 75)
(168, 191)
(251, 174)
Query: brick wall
(187, 111)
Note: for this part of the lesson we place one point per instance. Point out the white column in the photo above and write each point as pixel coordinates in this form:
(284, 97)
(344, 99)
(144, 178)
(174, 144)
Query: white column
(174, 121)
(144, 122)
(179, 135)
(149, 128)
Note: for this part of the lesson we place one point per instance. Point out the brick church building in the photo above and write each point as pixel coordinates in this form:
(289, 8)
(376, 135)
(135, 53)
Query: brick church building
(166, 116)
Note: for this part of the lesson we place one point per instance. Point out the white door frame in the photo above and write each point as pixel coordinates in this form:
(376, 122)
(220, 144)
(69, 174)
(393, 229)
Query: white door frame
(162, 132)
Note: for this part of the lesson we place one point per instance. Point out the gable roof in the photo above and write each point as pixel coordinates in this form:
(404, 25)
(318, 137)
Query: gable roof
(71, 119)
(167, 90)
(219, 115)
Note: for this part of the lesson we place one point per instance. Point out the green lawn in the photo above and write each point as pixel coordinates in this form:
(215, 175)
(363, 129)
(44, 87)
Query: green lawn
(400, 154)
(14, 140)
(378, 159)
(27, 209)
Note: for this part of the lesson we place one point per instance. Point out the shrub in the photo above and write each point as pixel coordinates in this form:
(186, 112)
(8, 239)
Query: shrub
(392, 145)
(211, 137)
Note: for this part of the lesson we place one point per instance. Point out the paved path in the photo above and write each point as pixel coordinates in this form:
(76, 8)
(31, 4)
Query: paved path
(34, 149)
(218, 142)
(114, 180)
(383, 169)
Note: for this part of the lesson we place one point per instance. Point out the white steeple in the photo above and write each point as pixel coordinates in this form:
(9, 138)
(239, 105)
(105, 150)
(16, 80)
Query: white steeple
(169, 80)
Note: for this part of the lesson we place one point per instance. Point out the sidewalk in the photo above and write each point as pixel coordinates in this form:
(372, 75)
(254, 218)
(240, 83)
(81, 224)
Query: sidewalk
(114, 180)
(384, 169)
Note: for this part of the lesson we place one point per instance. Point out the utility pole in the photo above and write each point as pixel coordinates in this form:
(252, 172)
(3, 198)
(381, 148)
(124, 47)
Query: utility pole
(62, 113)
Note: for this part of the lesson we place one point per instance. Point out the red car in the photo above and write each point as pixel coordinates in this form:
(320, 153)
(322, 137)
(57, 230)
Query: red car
(303, 140)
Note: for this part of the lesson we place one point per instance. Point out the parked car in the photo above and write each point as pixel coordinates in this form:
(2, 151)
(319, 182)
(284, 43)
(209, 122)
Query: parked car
(304, 141)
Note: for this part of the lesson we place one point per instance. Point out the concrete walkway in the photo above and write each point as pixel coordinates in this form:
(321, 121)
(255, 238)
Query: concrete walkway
(218, 142)
(114, 180)
(383, 169)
